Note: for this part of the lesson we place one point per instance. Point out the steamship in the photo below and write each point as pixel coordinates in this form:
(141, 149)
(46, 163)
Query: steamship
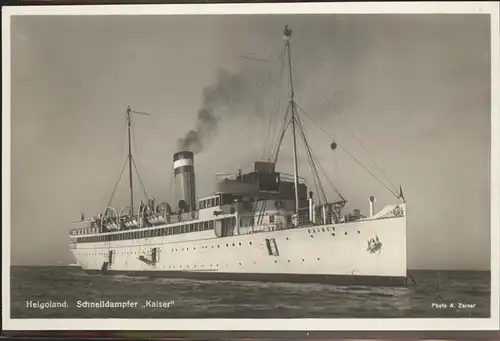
(259, 225)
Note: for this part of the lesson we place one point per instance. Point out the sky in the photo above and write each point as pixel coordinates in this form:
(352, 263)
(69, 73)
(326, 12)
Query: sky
(412, 90)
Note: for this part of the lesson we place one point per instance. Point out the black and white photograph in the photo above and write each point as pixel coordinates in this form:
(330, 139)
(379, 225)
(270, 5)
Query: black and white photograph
(198, 166)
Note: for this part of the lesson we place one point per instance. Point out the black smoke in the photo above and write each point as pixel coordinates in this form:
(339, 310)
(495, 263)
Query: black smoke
(230, 90)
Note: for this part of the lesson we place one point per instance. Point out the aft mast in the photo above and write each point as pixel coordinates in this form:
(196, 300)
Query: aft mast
(287, 36)
(130, 159)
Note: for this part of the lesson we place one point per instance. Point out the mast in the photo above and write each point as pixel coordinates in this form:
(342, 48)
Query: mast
(129, 123)
(287, 36)
(130, 161)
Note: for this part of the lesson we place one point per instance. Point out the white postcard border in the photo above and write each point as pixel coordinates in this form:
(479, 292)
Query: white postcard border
(492, 323)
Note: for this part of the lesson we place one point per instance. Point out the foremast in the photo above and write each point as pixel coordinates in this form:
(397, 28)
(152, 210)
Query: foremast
(292, 118)
(287, 36)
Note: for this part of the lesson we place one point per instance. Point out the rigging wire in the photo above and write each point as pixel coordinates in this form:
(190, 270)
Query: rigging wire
(280, 93)
(283, 130)
(276, 104)
(383, 173)
(315, 164)
(320, 190)
(140, 179)
(349, 153)
(121, 154)
(327, 178)
(320, 166)
(316, 181)
(361, 144)
(116, 184)
(337, 171)
(133, 162)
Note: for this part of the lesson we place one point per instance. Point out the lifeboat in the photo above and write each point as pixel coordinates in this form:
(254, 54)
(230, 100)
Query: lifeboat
(132, 223)
(112, 226)
(159, 219)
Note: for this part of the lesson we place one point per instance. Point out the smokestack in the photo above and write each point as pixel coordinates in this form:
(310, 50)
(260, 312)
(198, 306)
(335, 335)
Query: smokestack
(184, 180)
(372, 208)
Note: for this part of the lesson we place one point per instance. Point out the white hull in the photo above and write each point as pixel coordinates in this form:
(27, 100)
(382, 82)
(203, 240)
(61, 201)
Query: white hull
(331, 250)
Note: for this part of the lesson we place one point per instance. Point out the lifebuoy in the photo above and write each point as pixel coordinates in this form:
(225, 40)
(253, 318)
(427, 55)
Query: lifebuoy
(397, 211)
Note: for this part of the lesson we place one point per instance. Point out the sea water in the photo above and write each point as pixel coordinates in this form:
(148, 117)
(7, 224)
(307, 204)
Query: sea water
(68, 292)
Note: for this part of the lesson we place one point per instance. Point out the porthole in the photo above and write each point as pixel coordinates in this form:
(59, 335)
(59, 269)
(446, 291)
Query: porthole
(302, 259)
(240, 244)
(312, 236)
(359, 232)
(333, 234)
(233, 245)
(250, 243)
(239, 263)
(218, 246)
(318, 258)
(288, 261)
(276, 261)
(346, 233)
(227, 245)
(286, 238)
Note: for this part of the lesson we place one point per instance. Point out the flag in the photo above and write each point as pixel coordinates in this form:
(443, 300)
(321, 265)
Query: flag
(288, 32)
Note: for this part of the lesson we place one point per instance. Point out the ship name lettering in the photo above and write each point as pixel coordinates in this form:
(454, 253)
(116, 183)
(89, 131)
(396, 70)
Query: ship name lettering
(158, 304)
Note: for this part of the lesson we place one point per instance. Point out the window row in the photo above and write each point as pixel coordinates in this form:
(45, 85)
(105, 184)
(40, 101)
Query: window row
(159, 232)
(206, 247)
(223, 199)
(206, 203)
